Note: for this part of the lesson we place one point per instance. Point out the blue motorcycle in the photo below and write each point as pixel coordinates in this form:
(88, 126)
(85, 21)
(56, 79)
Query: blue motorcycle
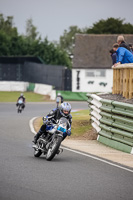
(49, 144)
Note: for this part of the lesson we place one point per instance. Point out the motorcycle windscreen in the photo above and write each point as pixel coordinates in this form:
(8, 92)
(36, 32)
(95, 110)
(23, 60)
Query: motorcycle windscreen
(20, 101)
(62, 125)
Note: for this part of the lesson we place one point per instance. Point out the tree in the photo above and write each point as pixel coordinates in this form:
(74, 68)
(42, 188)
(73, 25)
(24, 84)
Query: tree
(7, 31)
(4, 44)
(52, 54)
(67, 40)
(31, 30)
(111, 26)
(6, 25)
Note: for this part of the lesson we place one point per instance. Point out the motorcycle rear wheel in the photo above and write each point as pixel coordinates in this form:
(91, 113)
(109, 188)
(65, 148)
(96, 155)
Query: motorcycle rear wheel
(53, 149)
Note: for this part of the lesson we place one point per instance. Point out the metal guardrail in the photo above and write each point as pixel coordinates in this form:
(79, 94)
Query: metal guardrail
(113, 122)
(123, 80)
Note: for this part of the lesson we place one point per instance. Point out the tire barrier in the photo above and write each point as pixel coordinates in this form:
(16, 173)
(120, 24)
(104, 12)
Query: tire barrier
(113, 122)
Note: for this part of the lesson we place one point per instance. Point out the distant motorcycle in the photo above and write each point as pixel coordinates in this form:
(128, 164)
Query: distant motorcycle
(20, 106)
(57, 101)
(49, 145)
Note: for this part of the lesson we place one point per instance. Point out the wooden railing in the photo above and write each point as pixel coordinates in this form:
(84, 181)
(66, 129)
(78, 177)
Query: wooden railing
(123, 80)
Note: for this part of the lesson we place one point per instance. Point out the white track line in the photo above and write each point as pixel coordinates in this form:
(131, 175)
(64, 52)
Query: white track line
(99, 159)
(83, 154)
(31, 125)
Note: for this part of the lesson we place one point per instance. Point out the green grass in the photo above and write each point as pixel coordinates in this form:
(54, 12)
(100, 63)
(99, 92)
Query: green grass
(77, 115)
(80, 123)
(30, 97)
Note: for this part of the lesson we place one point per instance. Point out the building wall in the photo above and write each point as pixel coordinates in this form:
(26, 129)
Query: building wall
(92, 80)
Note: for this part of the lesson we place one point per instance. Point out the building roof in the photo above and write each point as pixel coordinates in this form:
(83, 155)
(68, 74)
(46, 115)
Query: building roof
(92, 50)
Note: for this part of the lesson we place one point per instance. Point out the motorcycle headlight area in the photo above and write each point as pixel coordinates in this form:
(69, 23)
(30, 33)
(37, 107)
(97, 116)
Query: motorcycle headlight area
(61, 129)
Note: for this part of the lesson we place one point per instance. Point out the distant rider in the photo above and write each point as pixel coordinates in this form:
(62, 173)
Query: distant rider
(22, 98)
(56, 114)
(59, 99)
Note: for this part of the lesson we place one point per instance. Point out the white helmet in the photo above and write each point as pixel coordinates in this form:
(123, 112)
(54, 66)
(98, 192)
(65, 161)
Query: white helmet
(65, 107)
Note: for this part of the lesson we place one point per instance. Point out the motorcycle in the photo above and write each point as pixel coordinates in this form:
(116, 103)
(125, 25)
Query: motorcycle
(49, 144)
(20, 105)
(57, 102)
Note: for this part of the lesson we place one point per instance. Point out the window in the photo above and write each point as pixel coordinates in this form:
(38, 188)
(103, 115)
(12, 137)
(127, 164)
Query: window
(90, 73)
(95, 73)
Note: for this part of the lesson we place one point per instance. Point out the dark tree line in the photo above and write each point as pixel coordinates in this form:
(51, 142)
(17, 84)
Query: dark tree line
(111, 26)
(13, 44)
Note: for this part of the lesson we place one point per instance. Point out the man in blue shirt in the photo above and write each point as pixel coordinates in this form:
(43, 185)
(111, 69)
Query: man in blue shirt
(123, 55)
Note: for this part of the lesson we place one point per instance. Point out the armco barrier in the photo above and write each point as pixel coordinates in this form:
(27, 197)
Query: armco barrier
(113, 122)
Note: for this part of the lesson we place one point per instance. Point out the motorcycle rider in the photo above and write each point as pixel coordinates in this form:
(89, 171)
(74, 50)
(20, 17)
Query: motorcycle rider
(21, 97)
(59, 99)
(56, 114)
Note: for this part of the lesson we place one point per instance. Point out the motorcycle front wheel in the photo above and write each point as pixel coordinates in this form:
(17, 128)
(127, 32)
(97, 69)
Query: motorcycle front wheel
(19, 109)
(53, 148)
(37, 152)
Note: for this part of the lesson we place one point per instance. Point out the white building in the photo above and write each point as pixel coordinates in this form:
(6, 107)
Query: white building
(92, 80)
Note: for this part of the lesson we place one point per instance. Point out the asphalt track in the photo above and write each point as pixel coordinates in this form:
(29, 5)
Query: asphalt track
(69, 176)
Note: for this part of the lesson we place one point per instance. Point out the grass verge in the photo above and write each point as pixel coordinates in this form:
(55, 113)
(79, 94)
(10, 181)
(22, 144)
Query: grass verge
(30, 97)
(81, 126)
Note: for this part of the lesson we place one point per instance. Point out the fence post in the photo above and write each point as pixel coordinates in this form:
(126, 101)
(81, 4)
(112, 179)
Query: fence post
(131, 84)
(121, 81)
(118, 81)
(114, 82)
(126, 83)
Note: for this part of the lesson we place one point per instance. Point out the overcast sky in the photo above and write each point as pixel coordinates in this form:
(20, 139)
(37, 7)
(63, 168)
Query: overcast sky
(52, 17)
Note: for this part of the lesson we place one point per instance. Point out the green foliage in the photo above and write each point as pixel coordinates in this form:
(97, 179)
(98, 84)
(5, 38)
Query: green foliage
(12, 44)
(6, 25)
(67, 40)
(111, 26)
(31, 30)
(4, 44)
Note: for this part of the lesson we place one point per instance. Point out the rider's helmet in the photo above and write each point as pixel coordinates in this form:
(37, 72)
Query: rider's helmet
(21, 95)
(65, 109)
(59, 94)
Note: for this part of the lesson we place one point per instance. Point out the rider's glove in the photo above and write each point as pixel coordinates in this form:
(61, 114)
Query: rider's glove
(69, 132)
(44, 120)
